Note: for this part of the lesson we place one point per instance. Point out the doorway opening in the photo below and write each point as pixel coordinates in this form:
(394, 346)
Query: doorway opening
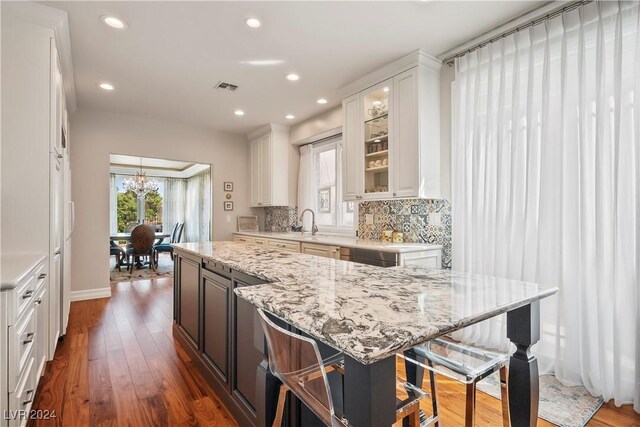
(173, 198)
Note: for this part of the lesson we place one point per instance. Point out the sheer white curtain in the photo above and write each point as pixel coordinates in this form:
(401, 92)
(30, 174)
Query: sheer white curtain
(546, 172)
(113, 204)
(197, 214)
(173, 206)
(306, 192)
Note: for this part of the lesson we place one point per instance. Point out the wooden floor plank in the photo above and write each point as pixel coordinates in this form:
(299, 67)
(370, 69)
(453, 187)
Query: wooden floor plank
(101, 403)
(119, 365)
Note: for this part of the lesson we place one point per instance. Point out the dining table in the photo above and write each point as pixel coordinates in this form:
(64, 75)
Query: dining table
(115, 237)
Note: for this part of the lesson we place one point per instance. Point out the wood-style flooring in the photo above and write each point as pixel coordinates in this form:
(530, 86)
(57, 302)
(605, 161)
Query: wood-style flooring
(120, 366)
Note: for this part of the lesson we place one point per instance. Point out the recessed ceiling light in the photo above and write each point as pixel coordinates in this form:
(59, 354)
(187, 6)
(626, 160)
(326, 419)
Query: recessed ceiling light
(106, 86)
(386, 89)
(321, 101)
(114, 22)
(253, 22)
(239, 113)
(263, 62)
(293, 77)
(290, 117)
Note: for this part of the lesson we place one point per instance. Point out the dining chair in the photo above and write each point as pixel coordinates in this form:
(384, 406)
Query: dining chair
(176, 235)
(295, 360)
(118, 252)
(142, 239)
(466, 364)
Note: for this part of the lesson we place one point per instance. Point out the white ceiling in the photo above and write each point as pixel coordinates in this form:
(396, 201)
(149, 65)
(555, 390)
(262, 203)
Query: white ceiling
(129, 165)
(165, 64)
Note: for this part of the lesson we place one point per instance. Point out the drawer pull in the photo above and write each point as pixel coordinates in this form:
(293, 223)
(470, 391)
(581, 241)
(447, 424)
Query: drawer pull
(281, 245)
(27, 294)
(30, 394)
(29, 338)
(259, 242)
(42, 275)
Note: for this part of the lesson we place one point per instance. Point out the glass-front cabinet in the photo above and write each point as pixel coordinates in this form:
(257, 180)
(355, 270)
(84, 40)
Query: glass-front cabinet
(391, 133)
(377, 106)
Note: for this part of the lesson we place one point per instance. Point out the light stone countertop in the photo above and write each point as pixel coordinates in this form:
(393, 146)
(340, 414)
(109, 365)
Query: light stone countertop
(369, 313)
(343, 241)
(15, 267)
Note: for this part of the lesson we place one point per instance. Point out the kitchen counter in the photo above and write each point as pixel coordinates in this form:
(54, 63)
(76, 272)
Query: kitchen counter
(368, 312)
(342, 241)
(15, 267)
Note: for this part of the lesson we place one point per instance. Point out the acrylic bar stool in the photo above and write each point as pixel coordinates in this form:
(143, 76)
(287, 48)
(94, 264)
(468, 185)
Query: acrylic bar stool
(295, 360)
(466, 364)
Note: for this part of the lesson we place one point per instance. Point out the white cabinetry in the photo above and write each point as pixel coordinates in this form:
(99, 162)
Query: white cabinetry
(327, 251)
(24, 324)
(35, 174)
(269, 148)
(391, 132)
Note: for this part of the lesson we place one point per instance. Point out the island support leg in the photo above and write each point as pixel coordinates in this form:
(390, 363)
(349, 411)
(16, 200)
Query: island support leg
(370, 392)
(523, 329)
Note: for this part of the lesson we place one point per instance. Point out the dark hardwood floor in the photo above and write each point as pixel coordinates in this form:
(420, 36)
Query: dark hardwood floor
(120, 366)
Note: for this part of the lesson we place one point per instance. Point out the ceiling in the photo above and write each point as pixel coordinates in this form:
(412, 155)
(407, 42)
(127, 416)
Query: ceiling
(129, 165)
(165, 65)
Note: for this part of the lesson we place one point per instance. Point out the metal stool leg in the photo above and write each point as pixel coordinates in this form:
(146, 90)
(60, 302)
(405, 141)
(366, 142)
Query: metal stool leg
(434, 398)
(470, 410)
(504, 395)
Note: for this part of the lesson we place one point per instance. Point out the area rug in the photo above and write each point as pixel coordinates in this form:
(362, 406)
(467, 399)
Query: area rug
(560, 405)
(164, 269)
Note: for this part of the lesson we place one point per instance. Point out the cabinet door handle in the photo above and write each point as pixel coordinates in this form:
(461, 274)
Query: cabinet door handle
(27, 294)
(259, 204)
(394, 194)
(58, 252)
(29, 338)
(38, 301)
(42, 275)
(30, 394)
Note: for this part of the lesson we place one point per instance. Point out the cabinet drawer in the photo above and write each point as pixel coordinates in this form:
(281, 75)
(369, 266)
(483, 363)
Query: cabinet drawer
(284, 245)
(22, 398)
(243, 239)
(22, 338)
(20, 298)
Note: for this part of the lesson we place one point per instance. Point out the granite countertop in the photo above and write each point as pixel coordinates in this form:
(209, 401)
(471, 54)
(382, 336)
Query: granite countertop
(368, 312)
(343, 241)
(15, 267)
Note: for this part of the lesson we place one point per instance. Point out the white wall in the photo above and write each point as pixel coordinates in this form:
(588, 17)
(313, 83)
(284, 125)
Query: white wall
(96, 134)
(306, 130)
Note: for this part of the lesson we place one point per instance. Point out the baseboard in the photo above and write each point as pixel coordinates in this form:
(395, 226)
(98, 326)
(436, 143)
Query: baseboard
(91, 294)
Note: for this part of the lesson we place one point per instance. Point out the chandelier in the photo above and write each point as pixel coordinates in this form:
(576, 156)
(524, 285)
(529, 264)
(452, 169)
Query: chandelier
(140, 184)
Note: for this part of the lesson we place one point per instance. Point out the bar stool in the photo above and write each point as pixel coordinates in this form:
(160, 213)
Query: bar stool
(295, 360)
(466, 364)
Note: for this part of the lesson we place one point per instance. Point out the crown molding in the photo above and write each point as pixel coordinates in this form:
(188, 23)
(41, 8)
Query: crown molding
(267, 129)
(413, 59)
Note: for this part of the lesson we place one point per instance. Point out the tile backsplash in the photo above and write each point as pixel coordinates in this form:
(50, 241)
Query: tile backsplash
(416, 218)
(280, 218)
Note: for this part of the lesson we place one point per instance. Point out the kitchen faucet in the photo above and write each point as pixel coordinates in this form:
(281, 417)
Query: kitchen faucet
(314, 227)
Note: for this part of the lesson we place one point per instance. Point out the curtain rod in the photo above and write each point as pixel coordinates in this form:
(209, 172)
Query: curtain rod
(450, 60)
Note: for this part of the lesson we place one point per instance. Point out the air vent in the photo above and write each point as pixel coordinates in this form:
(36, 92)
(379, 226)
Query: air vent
(224, 85)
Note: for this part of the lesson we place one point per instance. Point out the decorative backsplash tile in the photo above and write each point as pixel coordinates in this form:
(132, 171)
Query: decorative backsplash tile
(414, 217)
(280, 218)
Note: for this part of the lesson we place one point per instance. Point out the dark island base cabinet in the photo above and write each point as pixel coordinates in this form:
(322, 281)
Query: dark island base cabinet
(223, 336)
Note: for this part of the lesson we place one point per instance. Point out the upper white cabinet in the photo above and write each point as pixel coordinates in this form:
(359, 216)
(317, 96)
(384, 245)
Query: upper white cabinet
(391, 132)
(270, 166)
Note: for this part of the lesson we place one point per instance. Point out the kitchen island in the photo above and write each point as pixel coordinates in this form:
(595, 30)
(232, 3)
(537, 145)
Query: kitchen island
(369, 313)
